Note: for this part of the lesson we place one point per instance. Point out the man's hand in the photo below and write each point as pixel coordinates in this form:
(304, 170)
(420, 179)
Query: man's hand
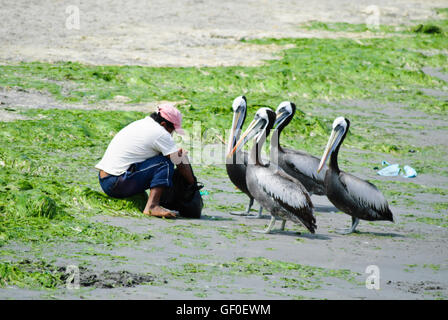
(182, 152)
(179, 157)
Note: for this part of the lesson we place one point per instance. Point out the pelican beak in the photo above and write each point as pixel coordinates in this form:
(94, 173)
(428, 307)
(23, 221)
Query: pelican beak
(238, 118)
(335, 136)
(254, 128)
(281, 116)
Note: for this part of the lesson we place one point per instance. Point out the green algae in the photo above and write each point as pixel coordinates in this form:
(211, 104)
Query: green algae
(277, 273)
(29, 274)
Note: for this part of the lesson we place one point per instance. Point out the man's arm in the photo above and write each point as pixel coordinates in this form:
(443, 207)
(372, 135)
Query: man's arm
(180, 159)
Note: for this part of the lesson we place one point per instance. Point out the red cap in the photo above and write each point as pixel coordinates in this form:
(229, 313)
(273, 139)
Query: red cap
(173, 115)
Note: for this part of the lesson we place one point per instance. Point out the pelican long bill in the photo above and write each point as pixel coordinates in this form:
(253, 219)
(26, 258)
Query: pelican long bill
(328, 149)
(237, 118)
(252, 130)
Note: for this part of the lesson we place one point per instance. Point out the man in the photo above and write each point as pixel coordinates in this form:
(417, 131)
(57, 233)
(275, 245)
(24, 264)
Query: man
(141, 157)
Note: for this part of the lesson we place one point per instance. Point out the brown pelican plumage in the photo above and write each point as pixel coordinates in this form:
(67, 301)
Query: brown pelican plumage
(356, 197)
(284, 196)
(236, 165)
(296, 163)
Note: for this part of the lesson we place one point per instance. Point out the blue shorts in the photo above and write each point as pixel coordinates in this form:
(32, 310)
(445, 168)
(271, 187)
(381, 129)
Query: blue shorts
(153, 172)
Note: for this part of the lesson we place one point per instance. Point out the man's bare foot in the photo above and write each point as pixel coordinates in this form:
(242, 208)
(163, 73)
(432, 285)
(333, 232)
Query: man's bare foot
(158, 211)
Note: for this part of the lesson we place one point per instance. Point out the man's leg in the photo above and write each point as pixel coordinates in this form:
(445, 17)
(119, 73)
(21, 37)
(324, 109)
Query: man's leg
(162, 178)
(155, 174)
(152, 206)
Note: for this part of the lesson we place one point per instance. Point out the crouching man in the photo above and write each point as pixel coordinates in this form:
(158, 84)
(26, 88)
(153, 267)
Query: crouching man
(141, 156)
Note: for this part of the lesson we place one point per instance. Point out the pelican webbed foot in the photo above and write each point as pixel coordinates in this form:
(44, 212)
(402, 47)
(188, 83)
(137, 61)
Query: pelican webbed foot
(268, 229)
(245, 213)
(355, 222)
(258, 216)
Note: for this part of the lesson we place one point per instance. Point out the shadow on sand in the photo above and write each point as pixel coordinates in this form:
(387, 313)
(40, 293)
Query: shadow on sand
(375, 234)
(215, 218)
(298, 234)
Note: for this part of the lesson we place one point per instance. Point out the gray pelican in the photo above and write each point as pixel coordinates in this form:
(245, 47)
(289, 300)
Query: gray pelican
(298, 164)
(356, 197)
(236, 166)
(284, 196)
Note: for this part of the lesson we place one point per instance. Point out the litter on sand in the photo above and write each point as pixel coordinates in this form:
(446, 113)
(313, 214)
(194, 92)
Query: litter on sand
(409, 172)
(394, 170)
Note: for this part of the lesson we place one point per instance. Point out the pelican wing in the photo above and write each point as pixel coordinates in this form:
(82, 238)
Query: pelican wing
(288, 193)
(305, 164)
(365, 193)
(281, 186)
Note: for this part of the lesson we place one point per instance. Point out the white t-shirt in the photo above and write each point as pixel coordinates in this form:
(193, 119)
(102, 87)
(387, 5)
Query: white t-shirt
(138, 141)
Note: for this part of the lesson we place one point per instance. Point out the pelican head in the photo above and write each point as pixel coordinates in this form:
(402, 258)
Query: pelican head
(263, 121)
(285, 110)
(340, 127)
(239, 107)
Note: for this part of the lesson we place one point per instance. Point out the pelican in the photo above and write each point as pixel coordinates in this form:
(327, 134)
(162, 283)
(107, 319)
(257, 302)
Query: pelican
(284, 196)
(356, 197)
(236, 166)
(298, 164)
